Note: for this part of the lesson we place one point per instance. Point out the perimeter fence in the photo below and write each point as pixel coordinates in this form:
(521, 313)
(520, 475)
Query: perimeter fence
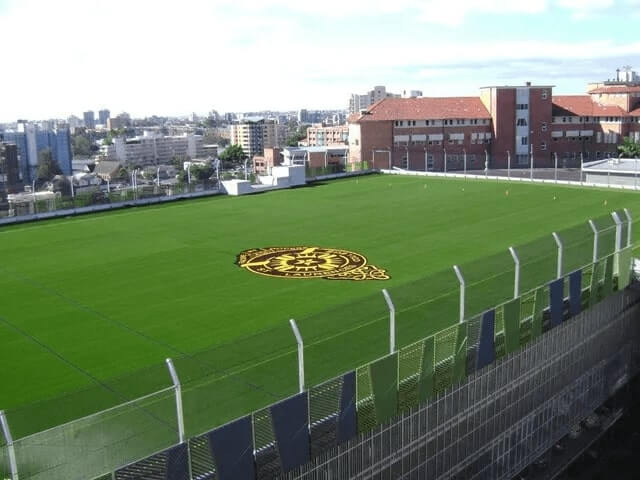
(411, 344)
(41, 205)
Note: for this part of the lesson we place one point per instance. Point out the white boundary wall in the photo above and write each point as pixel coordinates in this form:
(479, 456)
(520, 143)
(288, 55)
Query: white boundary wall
(475, 176)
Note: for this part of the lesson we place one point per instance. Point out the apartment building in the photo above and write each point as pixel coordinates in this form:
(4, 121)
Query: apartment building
(514, 125)
(9, 170)
(319, 136)
(254, 134)
(31, 139)
(153, 149)
(358, 102)
(89, 119)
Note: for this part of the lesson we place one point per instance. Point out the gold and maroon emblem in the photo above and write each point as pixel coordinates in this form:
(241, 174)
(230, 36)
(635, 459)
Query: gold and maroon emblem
(309, 262)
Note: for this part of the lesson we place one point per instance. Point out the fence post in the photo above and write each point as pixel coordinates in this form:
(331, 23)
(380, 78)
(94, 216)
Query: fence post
(556, 237)
(178, 390)
(616, 263)
(392, 321)
(516, 280)
(13, 466)
(629, 226)
(462, 291)
(595, 240)
(300, 343)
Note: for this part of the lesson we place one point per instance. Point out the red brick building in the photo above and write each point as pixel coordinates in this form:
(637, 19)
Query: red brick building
(511, 122)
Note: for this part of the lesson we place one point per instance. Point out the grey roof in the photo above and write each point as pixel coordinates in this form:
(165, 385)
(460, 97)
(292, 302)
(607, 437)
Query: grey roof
(106, 167)
(613, 165)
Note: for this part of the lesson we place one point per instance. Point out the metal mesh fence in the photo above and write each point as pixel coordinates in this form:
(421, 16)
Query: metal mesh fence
(324, 408)
(28, 206)
(101, 442)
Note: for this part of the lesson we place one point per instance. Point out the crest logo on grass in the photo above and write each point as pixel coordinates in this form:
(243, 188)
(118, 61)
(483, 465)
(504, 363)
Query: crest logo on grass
(309, 262)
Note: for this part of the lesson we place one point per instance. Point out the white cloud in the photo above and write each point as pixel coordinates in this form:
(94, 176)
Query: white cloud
(173, 58)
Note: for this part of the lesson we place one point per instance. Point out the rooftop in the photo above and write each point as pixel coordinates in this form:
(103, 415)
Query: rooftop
(616, 89)
(425, 108)
(583, 105)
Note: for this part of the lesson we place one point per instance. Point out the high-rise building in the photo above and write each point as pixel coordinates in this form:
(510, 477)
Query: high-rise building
(9, 171)
(358, 102)
(31, 140)
(122, 120)
(103, 116)
(254, 134)
(89, 119)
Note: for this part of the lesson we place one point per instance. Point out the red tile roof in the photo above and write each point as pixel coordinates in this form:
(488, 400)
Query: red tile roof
(616, 89)
(425, 108)
(635, 113)
(584, 106)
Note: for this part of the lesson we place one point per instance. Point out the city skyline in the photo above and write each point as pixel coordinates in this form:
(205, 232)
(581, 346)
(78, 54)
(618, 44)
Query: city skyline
(280, 55)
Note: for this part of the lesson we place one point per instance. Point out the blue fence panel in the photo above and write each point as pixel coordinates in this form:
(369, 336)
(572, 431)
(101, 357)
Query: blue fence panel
(486, 347)
(575, 292)
(556, 301)
(291, 428)
(232, 450)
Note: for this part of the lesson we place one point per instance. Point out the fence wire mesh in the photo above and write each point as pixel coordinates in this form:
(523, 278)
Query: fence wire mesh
(101, 442)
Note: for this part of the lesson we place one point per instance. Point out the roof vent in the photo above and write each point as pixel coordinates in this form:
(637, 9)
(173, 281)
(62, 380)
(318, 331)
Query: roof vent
(528, 84)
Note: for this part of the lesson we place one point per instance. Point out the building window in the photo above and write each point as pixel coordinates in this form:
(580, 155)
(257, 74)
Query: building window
(524, 141)
(544, 126)
(543, 145)
(521, 122)
(545, 95)
(522, 106)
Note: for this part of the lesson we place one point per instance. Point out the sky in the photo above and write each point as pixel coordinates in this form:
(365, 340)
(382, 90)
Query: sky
(62, 57)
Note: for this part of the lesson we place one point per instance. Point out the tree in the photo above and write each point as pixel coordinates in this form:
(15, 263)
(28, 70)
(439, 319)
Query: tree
(232, 155)
(178, 161)
(297, 136)
(47, 166)
(629, 148)
(81, 145)
(201, 172)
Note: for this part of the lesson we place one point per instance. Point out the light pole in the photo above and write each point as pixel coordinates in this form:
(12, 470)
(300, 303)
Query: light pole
(486, 163)
(426, 161)
(407, 157)
(33, 195)
(531, 172)
(445, 160)
(508, 165)
(464, 155)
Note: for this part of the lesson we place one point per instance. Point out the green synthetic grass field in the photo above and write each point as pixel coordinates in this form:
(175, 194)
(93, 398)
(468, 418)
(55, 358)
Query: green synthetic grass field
(91, 306)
